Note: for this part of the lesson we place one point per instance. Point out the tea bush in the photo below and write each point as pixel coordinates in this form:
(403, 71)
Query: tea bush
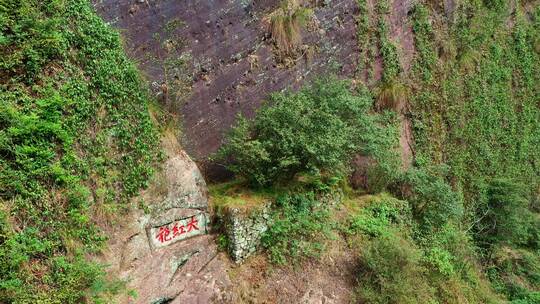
(318, 129)
(299, 224)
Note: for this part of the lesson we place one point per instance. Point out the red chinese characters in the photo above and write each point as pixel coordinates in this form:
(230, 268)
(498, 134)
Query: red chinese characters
(192, 224)
(178, 230)
(164, 233)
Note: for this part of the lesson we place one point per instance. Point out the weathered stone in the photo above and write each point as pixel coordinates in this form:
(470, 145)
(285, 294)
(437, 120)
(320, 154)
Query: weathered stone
(186, 187)
(331, 198)
(176, 272)
(135, 247)
(168, 271)
(185, 199)
(171, 215)
(244, 229)
(314, 296)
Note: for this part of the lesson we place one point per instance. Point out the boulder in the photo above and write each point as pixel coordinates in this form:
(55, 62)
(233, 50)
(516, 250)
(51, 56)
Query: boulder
(163, 250)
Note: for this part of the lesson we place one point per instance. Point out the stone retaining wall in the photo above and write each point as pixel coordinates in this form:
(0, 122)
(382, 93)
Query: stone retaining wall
(244, 229)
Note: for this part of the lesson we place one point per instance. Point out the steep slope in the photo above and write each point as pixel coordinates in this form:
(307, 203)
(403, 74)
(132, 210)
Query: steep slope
(459, 223)
(461, 75)
(76, 143)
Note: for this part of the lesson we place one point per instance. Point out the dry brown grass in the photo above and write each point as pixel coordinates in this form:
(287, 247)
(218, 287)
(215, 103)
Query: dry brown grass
(225, 196)
(286, 25)
(391, 95)
(468, 60)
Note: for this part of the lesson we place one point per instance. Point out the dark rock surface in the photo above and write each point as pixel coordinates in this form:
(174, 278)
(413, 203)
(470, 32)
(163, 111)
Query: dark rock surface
(230, 65)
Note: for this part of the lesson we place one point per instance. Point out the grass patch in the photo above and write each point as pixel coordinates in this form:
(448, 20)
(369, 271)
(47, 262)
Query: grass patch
(235, 194)
(286, 25)
(391, 95)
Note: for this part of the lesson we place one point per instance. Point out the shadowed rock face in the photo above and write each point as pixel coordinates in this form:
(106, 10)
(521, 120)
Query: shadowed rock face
(230, 65)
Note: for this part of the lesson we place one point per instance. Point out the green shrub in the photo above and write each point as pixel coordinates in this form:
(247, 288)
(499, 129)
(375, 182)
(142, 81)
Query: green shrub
(392, 272)
(318, 130)
(495, 4)
(477, 114)
(400, 264)
(507, 230)
(432, 200)
(299, 224)
(387, 48)
(424, 42)
(506, 218)
(515, 273)
(379, 215)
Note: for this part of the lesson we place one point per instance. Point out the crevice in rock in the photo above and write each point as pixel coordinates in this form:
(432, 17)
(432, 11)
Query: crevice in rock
(181, 262)
(164, 300)
(207, 263)
(123, 255)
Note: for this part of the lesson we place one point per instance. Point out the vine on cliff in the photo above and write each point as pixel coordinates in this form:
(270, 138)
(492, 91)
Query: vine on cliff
(76, 143)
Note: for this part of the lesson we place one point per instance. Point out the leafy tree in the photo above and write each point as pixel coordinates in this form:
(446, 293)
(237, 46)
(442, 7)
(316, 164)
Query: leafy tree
(433, 201)
(316, 130)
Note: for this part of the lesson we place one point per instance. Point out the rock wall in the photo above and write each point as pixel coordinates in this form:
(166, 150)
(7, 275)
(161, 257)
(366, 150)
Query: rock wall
(220, 56)
(244, 229)
(209, 60)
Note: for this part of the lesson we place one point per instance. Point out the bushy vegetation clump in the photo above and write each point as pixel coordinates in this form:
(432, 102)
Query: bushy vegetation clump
(465, 228)
(286, 24)
(317, 130)
(76, 142)
(433, 201)
(399, 265)
(299, 224)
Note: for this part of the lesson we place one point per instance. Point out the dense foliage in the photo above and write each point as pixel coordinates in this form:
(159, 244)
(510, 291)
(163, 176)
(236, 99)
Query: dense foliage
(76, 142)
(461, 226)
(300, 222)
(465, 228)
(398, 266)
(476, 116)
(317, 130)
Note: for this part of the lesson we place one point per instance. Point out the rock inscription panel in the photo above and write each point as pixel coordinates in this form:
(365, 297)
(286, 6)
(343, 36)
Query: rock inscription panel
(178, 230)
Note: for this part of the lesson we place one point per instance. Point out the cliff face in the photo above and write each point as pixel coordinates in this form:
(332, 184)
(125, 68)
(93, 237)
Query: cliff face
(217, 60)
(211, 60)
